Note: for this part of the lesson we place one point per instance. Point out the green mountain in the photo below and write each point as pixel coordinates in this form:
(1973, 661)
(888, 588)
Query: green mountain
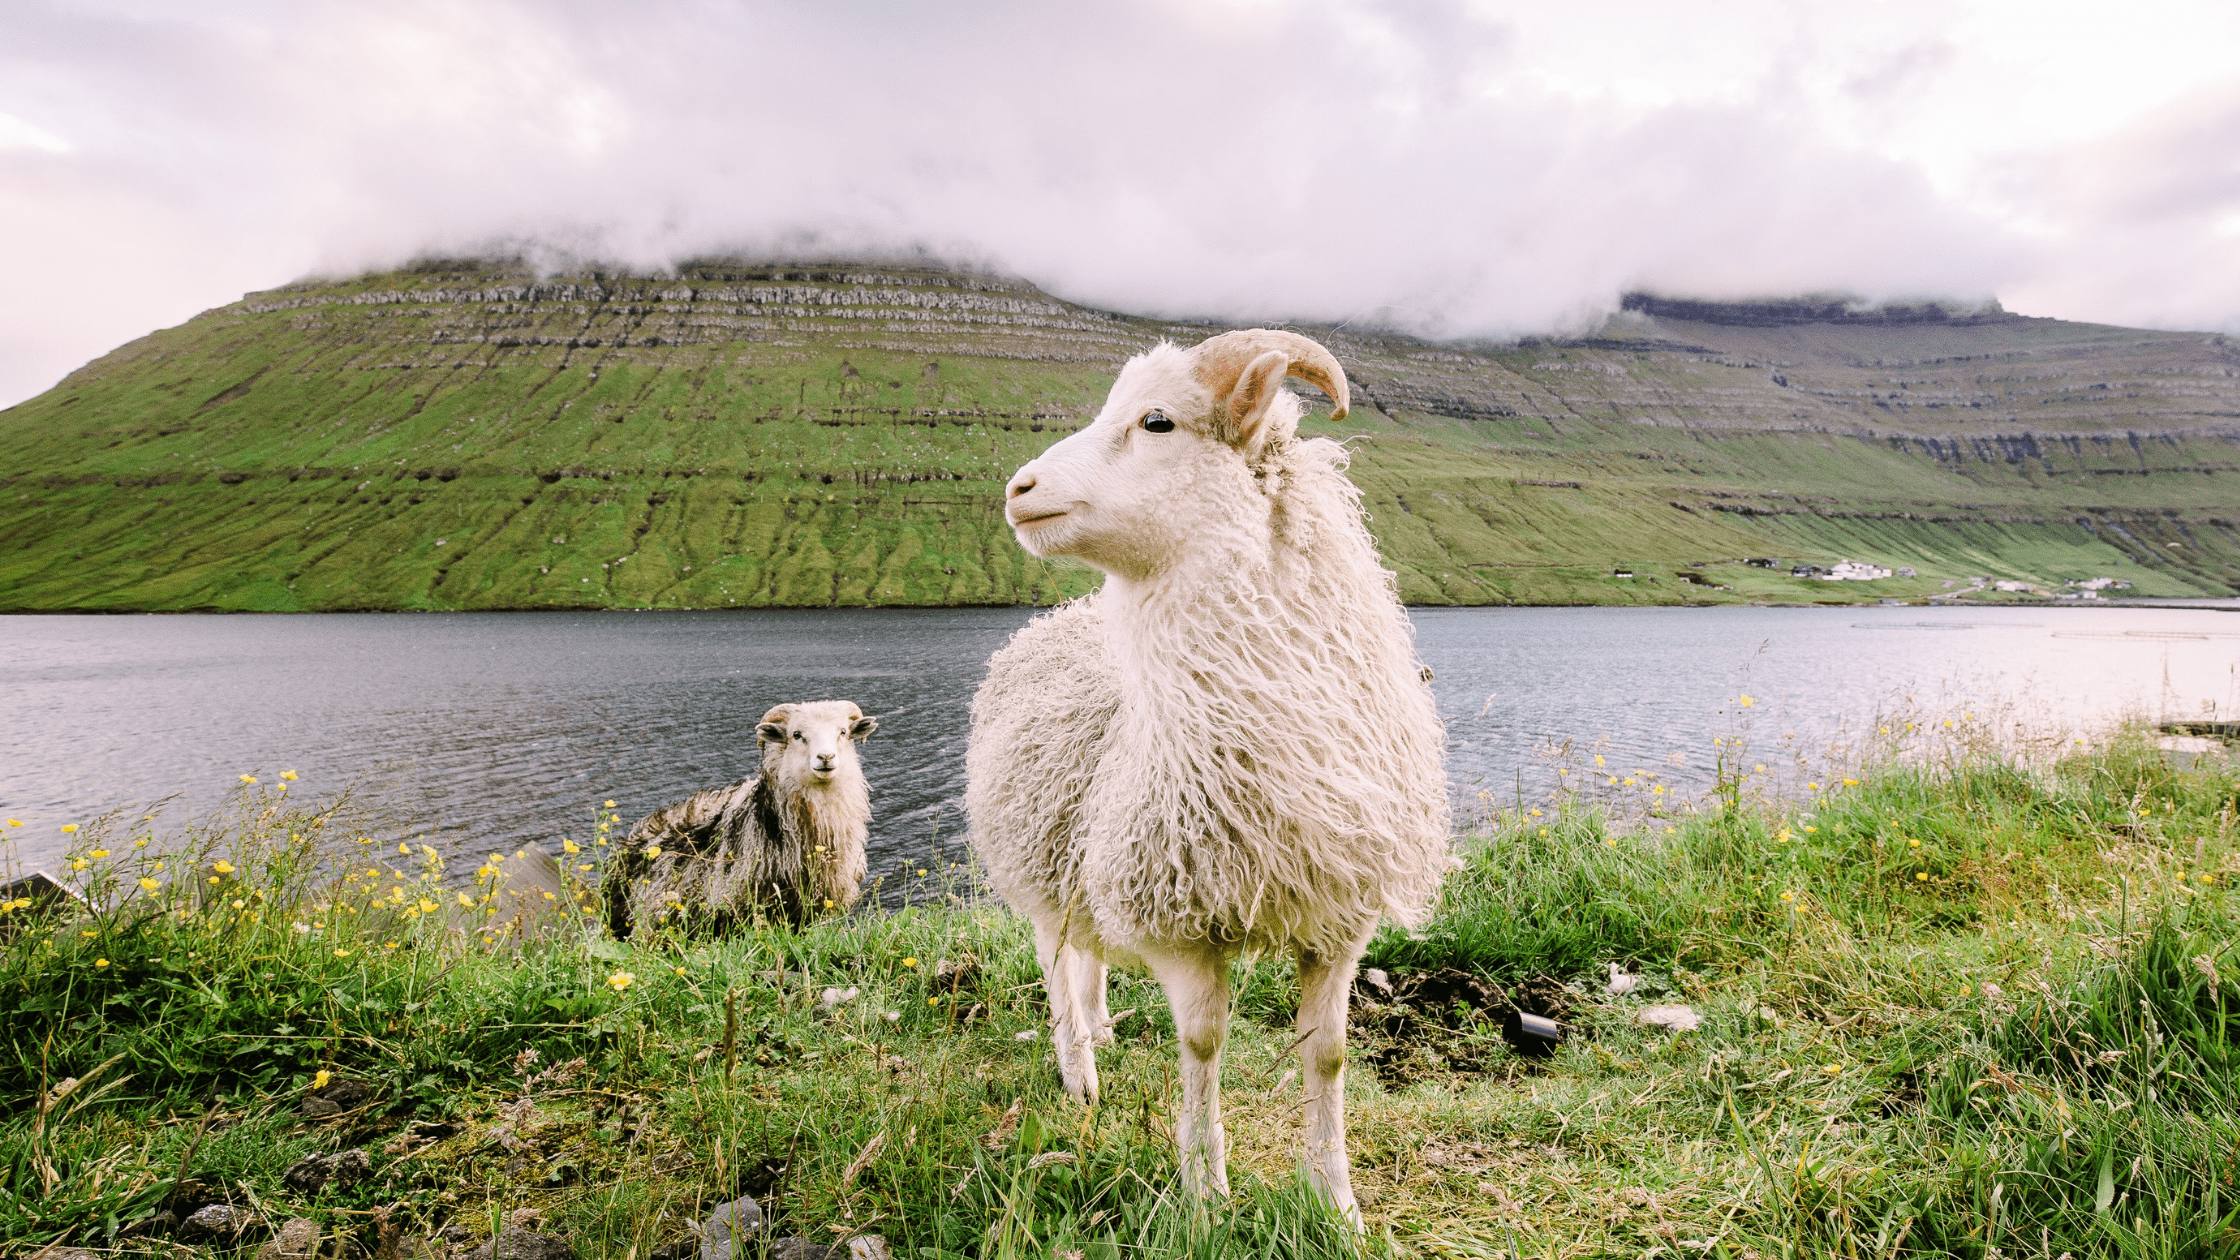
(472, 435)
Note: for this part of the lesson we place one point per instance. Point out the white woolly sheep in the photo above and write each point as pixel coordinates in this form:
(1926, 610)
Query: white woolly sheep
(786, 844)
(1231, 747)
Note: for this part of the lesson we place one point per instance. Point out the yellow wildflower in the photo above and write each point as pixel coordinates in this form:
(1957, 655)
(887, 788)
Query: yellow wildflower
(1921, 874)
(609, 805)
(321, 1078)
(69, 829)
(909, 962)
(223, 868)
(342, 953)
(570, 846)
(621, 980)
(100, 962)
(248, 778)
(150, 885)
(289, 775)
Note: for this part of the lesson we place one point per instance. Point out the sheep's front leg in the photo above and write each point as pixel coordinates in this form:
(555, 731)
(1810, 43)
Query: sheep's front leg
(1090, 982)
(1197, 985)
(1071, 1036)
(1325, 989)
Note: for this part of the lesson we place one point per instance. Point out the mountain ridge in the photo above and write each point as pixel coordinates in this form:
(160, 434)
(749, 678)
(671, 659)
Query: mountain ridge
(477, 435)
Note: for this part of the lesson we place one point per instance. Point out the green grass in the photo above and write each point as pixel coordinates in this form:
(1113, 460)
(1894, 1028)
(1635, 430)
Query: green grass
(306, 450)
(1957, 998)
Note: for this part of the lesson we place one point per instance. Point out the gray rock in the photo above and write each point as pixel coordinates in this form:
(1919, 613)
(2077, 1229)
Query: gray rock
(730, 1223)
(521, 1244)
(342, 1170)
(316, 1108)
(219, 1220)
(868, 1247)
(297, 1238)
(799, 1248)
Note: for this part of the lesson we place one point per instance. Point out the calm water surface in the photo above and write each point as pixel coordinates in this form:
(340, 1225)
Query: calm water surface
(490, 730)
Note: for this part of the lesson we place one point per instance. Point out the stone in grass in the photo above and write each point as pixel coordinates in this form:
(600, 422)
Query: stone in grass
(728, 1225)
(341, 1170)
(515, 1243)
(298, 1238)
(217, 1221)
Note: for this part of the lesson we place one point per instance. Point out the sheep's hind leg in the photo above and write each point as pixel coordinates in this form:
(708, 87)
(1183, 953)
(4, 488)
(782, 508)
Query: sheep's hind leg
(1070, 1036)
(1325, 988)
(1197, 985)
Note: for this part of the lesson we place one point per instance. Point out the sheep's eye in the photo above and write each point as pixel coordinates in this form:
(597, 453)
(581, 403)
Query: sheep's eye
(800, 738)
(1157, 422)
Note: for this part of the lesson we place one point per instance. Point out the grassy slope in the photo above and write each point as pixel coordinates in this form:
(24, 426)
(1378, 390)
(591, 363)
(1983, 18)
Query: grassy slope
(1955, 1004)
(456, 438)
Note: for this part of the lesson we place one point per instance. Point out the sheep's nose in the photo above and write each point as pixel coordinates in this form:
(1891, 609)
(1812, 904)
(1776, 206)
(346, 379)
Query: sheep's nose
(1021, 482)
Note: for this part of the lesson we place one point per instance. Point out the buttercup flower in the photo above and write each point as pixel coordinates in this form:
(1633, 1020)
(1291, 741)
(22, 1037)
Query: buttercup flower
(289, 775)
(223, 868)
(150, 885)
(100, 962)
(621, 980)
(69, 829)
(320, 1079)
(909, 962)
(609, 805)
(248, 778)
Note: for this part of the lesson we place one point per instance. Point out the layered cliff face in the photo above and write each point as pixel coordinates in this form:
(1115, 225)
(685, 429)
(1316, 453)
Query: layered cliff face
(467, 435)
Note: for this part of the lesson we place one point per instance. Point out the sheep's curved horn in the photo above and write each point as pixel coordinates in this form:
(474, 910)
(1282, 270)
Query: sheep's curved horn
(1220, 361)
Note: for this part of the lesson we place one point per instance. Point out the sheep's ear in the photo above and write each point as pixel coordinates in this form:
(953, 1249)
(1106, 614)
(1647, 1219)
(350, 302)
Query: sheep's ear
(863, 728)
(1243, 422)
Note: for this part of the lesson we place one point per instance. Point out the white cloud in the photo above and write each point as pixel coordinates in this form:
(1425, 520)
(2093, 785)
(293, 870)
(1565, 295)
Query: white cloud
(15, 133)
(1454, 166)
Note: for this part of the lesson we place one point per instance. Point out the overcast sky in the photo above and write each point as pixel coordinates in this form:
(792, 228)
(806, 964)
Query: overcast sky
(1454, 167)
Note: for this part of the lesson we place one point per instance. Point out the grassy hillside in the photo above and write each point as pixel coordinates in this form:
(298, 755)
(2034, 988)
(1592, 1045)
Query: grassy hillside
(472, 436)
(1963, 1003)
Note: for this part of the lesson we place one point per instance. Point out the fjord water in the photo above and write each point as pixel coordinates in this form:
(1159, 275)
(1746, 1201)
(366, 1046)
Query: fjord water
(489, 730)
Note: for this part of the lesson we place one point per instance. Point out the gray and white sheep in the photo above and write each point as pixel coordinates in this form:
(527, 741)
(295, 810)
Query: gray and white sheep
(786, 844)
(1231, 747)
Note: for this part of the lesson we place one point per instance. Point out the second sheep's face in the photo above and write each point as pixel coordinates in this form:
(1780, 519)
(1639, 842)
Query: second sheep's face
(812, 744)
